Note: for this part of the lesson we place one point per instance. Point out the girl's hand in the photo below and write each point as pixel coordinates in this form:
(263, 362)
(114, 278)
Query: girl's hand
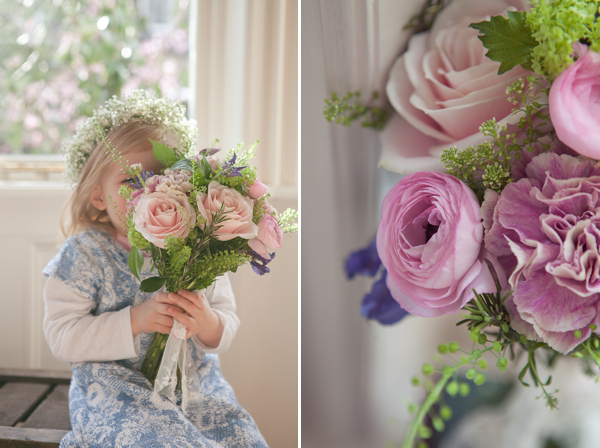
(194, 311)
(152, 316)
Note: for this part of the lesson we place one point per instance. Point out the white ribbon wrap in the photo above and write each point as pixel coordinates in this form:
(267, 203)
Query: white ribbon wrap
(176, 355)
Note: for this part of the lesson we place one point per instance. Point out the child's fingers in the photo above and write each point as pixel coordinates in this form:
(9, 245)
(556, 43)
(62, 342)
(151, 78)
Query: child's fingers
(164, 320)
(164, 309)
(163, 329)
(162, 297)
(184, 318)
(197, 299)
(184, 303)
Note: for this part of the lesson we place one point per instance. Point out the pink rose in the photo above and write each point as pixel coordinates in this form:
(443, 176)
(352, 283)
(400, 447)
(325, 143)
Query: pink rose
(238, 211)
(257, 190)
(574, 103)
(269, 237)
(159, 214)
(430, 242)
(443, 87)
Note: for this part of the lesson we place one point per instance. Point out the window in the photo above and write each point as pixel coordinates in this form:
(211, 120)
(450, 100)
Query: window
(60, 59)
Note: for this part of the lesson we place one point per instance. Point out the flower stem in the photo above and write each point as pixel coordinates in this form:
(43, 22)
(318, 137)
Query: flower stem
(448, 372)
(432, 397)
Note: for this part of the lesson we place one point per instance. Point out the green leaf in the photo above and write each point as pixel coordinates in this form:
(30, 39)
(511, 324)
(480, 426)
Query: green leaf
(135, 261)
(198, 179)
(182, 164)
(165, 155)
(152, 284)
(205, 166)
(509, 41)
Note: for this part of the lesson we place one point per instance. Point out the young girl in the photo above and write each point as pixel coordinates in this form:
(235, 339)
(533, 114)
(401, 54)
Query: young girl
(97, 319)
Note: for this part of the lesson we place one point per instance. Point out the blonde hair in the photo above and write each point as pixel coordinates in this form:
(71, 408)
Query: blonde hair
(79, 213)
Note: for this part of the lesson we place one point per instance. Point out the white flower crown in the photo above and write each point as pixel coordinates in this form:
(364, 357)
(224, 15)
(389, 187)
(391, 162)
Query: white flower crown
(141, 106)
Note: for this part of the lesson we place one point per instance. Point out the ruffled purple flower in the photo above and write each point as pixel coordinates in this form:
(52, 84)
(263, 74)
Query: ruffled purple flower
(545, 231)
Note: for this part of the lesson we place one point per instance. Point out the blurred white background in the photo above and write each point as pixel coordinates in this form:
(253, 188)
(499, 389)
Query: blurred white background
(243, 75)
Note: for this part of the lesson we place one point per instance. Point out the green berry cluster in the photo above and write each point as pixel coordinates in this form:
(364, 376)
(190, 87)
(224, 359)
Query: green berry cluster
(556, 25)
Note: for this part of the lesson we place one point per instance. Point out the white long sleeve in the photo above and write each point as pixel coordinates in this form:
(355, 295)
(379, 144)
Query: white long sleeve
(222, 301)
(75, 335)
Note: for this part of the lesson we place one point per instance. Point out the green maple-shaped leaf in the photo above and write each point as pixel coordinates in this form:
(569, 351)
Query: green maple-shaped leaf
(508, 41)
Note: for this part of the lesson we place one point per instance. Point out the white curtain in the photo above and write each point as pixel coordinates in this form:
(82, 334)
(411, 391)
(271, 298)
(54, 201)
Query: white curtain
(355, 374)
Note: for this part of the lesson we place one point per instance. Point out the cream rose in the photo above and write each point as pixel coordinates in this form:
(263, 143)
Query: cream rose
(238, 211)
(159, 214)
(443, 87)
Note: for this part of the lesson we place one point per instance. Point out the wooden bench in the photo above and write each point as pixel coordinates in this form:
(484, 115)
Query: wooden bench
(34, 407)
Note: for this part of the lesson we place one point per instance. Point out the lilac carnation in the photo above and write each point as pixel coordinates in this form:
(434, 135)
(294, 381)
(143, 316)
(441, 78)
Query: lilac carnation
(545, 231)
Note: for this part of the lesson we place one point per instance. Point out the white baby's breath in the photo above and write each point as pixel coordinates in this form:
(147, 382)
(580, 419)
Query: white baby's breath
(177, 131)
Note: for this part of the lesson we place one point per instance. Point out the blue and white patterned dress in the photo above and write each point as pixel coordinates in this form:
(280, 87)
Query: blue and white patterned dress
(112, 403)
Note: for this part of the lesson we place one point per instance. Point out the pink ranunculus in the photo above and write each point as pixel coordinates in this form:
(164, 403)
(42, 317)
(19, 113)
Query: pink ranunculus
(159, 214)
(269, 237)
(238, 211)
(443, 87)
(257, 189)
(430, 242)
(574, 103)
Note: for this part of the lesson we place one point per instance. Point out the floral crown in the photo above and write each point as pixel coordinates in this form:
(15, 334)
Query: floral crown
(140, 106)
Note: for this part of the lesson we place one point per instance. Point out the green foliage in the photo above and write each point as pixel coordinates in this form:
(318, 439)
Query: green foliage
(135, 238)
(152, 284)
(135, 261)
(344, 112)
(488, 165)
(485, 313)
(556, 25)
(178, 255)
(508, 40)
(209, 266)
(259, 209)
(288, 220)
(165, 155)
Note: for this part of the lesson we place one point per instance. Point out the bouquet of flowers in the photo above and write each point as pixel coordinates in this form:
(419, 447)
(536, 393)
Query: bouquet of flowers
(198, 219)
(501, 224)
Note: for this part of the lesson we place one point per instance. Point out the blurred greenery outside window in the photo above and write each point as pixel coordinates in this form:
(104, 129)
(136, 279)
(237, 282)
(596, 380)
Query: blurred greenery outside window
(60, 59)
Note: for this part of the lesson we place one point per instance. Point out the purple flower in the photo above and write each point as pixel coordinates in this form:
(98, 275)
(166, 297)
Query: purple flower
(363, 261)
(139, 183)
(207, 152)
(545, 231)
(259, 263)
(229, 168)
(379, 304)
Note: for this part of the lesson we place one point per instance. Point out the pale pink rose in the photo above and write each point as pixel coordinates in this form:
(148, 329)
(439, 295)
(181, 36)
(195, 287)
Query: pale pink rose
(269, 237)
(257, 189)
(238, 211)
(443, 87)
(574, 103)
(159, 214)
(430, 242)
